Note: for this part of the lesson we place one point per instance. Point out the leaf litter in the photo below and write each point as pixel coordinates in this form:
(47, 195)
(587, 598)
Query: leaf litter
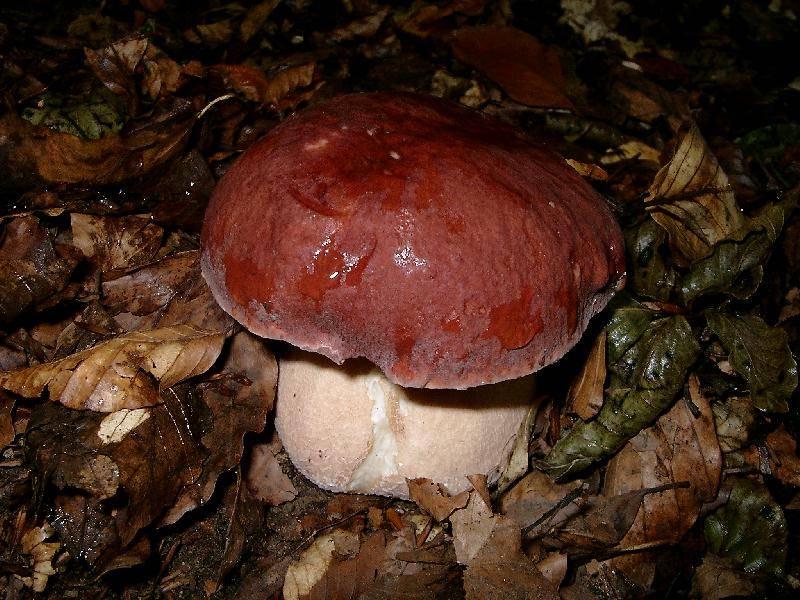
(136, 418)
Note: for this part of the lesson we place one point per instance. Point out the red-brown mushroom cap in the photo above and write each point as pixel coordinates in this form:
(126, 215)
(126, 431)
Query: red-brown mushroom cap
(443, 246)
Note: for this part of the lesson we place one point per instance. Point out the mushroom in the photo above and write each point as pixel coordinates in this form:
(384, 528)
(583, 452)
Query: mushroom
(424, 260)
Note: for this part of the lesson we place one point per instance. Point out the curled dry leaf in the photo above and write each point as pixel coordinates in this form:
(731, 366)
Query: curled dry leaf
(31, 271)
(585, 396)
(519, 459)
(422, 18)
(115, 65)
(254, 84)
(265, 478)
(431, 498)
(116, 243)
(314, 562)
(783, 460)
(528, 71)
(255, 19)
(33, 543)
(679, 447)
(364, 27)
(691, 198)
(123, 372)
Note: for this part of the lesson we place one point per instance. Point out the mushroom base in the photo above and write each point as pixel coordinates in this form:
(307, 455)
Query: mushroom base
(349, 429)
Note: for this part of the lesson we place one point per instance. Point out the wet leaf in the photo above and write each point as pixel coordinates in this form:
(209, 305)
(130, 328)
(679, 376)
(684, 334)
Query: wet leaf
(255, 19)
(648, 358)
(239, 398)
(735, 266)
(124, 372)
(760, 354)
(680, 447)
(92, 117)
(750, 530)
(87, 531)
(41, 552)
(114, 66)
(254, 84)
(691, 198)
(116, 243)
(734, 418)
(650, 274)
(31, 271)
(528, 71)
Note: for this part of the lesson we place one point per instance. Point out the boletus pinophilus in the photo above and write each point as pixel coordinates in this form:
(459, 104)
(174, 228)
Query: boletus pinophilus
(424, 260)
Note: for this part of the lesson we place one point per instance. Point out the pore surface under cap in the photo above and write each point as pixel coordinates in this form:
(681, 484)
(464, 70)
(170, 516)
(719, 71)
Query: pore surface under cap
(441, 245)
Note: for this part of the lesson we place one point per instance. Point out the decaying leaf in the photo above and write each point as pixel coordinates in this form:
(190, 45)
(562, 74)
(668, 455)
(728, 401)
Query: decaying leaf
(750, 530)
(650, 275)
(239, 398)
(254, 84)
(304, 574)
(680, 447)
(760, 354)
(692, 200)
(116, 243)
(783, 460)
(124, 372)
(472, 527)
(34, 544)
(717, 578)
(421, 19)
(734, 418)
(528, 71)
(519, 460)
(114, 66)
(648, 357)
(535, 495)
(31, 270)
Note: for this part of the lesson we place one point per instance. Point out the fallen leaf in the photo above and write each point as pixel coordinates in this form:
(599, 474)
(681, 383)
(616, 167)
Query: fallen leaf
(501, 571)
(529, 72)
(313, 564)
(717, 578)
(265, 478)
(680, 447)
(750, 530)
(31, 271)
(255, 19)
(648, 359)
(760, 354)
(151, 287)
(535, 495)
(783, 460)
(116, 243)
(431, 498)
(472, 526)
(519, 460)
(422, 18)
(124, 372)
(585, 396)
(691, 198)
(114, 66)
(86, 530)
(239, 397)
(33, 543)
(554, 568)
(597, 21)
(734, 417)
(254, 84)
(364, 27)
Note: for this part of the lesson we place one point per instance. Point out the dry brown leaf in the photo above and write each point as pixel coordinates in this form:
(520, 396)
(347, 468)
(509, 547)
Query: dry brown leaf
(529, 72)
(431, 498)
(313, 564)
(123, 372)
(783, 460)
(41, 552)
(422, 18)
(585, 396)
(554, 567)
(588, 170)
(116, 243)
(364, 27)
(519, 459)
(256, 86)
(500, 571)
(472, 526)
(679, 447)
(114, 66)
(692, 199)
(533, 497)
(733, 418)
(265, 478)
(7, 431)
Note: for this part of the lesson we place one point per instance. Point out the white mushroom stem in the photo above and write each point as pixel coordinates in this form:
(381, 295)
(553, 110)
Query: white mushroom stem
(349, 429)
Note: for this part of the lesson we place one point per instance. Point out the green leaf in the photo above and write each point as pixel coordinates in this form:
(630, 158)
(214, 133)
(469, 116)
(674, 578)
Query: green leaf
(648, 360)
(648, 273)
(750, 529)
(735, 266)
(88, 118)
(760, 354)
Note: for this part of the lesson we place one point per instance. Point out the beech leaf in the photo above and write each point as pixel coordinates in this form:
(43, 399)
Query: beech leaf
(122, 372)
(692, 199)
